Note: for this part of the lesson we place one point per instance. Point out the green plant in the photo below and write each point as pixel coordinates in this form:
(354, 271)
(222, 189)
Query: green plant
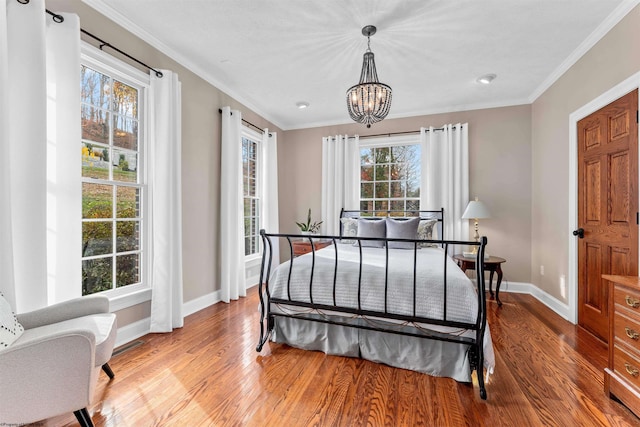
(310, 227)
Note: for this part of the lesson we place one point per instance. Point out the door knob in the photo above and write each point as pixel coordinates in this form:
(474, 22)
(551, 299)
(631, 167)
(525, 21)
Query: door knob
(579, 232)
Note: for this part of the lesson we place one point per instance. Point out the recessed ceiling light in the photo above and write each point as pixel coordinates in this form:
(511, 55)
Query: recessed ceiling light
(486, 79)
(302, 105)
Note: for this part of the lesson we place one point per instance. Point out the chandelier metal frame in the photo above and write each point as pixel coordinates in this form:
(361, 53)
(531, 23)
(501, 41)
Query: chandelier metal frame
(369, 101)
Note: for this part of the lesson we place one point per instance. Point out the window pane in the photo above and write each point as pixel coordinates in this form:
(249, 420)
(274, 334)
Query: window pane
(125, 132)
(127, 202)
(397, 205)
(397, 189)
(382, 155)
(413, 205)
(366, 206)
(382, 190)
(366, 173)
(125, 166)
(382, 172)
(95, 88)
(366, 156)
(366, 190)
(127, 236)
(382, 205)
(95, 161)
(97, 238)
(96, 275)
(127, 270)
(125, 99)
(95, 124)
(97, 200)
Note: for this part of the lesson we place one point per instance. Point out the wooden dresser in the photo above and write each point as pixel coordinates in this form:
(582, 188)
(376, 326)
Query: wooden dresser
(622, 377)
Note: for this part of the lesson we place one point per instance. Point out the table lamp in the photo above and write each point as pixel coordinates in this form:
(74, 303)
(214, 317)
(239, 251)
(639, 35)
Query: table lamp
(476, 210)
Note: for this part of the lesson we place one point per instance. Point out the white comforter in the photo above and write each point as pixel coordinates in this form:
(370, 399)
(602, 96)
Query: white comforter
(462, 300)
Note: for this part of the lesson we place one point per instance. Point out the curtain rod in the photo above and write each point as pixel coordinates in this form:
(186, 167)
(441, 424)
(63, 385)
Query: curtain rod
(409, 132)
(59, 19)
(247, 122)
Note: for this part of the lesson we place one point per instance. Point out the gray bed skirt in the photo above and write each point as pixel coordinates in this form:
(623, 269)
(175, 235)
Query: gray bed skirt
(432, 357)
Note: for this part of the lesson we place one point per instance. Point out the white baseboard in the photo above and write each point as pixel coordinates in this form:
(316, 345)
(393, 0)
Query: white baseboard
(133, 331)
(200, 303)
(559, 307)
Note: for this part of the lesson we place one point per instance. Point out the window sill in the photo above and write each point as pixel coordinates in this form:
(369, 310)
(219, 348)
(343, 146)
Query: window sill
(129, 299)
(252, 260)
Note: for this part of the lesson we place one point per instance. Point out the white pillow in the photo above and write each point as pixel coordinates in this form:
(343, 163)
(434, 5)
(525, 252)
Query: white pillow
(349, 229)
(425, 232)
(10, 328)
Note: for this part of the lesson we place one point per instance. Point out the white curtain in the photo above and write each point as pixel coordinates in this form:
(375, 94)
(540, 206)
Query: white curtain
(40, 178)
(232, 275)
(165, 193)
(445, 178)
(340, 179)
(269, 197)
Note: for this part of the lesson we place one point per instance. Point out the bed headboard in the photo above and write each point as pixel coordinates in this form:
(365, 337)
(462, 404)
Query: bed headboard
(373, 215)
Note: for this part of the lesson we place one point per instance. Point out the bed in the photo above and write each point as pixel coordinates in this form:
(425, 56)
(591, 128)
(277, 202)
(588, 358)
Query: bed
(396, 298)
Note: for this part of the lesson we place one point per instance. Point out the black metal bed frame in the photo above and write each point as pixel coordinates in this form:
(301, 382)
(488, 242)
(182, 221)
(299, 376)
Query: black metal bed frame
(267, 315)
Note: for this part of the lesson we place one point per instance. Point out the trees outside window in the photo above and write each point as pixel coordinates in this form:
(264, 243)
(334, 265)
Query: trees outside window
(390, 179)
(112, 182)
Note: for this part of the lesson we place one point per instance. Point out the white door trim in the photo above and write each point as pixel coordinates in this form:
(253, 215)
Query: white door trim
(603, 100)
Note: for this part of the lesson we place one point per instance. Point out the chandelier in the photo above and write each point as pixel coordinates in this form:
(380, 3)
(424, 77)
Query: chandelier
(369, 101)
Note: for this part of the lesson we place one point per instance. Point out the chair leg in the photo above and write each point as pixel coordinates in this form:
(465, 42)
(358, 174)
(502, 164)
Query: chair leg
(107, 369)
(82, 415)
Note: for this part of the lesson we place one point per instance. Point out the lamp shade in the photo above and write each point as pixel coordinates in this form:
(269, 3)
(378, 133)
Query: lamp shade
(476, 210)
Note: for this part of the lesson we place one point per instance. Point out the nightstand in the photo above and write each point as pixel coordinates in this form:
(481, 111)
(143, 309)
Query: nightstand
(303, 246)
(491, 264)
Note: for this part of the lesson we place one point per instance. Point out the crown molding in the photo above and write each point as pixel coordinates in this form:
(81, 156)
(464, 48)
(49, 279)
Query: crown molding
(103, 8)
(611, 21)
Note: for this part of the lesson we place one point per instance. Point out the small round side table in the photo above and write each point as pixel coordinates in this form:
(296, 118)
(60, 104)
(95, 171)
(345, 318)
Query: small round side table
(491, 264)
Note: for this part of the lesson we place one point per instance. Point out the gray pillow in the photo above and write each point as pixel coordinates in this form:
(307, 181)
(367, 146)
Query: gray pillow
(349, 229)
(425, 232)
(402, 229)
(372, 228)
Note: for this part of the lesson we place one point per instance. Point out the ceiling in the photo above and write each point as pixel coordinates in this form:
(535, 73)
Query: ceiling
(272, 54)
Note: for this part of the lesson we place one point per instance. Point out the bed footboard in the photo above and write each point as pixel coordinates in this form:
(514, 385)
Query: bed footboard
(324, 300)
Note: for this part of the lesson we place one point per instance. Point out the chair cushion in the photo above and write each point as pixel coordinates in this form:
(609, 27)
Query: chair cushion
(102, 325)
(10, 328)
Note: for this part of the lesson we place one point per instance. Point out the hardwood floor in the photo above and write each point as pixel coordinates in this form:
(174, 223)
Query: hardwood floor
(548, 373)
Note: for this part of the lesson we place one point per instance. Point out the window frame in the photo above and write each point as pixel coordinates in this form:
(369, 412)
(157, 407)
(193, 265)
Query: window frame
(256, 137)
(94, 58)
(386, 142)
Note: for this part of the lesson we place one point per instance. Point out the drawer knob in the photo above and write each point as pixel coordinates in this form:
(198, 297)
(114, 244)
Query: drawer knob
(632, 302)
(631, 370)
(631, 333)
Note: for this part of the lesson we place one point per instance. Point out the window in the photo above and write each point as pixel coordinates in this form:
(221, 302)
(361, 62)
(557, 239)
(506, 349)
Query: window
(113, 184)
(251, 190)
(389, 177)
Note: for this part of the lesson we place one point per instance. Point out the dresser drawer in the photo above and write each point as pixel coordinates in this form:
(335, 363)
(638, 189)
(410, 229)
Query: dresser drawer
(628, 299)
(627, 366)
(627, 330)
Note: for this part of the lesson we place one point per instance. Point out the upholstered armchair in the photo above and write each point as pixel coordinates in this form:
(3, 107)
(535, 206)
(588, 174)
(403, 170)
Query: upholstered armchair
(52, 367)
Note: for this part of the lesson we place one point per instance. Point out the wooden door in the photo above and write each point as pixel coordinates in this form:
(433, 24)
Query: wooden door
(607, 206)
